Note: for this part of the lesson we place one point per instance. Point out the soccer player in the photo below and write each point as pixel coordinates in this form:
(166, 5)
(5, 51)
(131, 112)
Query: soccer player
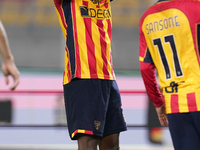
(170, 44)
(92, 98)
(8, 64)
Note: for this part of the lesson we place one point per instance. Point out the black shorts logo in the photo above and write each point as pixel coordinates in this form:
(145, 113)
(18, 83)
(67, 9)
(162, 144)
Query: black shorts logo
(97, 124)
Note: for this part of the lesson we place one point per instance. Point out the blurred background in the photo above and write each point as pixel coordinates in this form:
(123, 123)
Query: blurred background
(36, 120)
(36, 39)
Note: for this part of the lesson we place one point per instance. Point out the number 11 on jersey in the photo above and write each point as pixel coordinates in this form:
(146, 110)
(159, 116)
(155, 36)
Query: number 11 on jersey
(169, 39)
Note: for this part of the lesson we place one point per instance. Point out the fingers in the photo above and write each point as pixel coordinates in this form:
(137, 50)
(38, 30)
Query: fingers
(9, 69)
(164, 123)
(162, 116)
(16, 80)
(15, 84)
(6, 80)
(163, 120)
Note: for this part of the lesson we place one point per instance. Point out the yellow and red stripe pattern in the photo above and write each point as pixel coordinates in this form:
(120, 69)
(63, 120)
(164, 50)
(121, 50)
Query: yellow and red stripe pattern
(181, 103)
(87, 31)
(81, 131)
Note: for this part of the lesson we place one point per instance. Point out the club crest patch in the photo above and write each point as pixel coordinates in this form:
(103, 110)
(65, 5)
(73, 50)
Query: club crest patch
(96, 1)
(97, 124)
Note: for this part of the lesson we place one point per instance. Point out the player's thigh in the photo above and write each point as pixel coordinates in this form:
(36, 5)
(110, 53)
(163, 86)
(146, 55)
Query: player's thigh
(183, 131)
(115, 121)
(86, 102)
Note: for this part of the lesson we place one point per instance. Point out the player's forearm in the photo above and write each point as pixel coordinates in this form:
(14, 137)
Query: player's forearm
(149, 78)
(4, 45)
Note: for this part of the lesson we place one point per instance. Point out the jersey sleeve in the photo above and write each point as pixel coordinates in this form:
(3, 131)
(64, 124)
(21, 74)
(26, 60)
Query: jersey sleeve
(57, 2)
(151, 85)
(148, 72)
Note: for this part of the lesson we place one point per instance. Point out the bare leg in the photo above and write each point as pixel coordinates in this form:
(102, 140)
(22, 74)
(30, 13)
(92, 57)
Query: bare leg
(87, 142)
(110, 142)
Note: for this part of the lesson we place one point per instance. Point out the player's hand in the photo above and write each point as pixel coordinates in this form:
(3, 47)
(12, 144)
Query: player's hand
(9, 68)
(162, 115)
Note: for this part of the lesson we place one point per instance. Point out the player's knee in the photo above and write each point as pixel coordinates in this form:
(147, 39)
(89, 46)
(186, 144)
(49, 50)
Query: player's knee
(109, 147)
(87, 142)
(110, 142)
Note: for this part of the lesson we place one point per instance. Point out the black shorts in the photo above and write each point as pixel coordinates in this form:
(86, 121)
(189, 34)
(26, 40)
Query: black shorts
(93, 106)
(185, 130)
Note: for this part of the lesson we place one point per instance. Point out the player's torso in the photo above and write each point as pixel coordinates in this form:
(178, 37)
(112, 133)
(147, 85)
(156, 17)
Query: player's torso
(171, 34)
(88, 38)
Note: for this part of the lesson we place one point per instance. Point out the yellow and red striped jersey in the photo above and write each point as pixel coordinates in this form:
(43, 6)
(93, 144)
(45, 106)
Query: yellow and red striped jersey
(170, 42)
(87, 30)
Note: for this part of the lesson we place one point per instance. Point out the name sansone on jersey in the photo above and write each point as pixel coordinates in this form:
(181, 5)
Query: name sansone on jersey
(163, 24)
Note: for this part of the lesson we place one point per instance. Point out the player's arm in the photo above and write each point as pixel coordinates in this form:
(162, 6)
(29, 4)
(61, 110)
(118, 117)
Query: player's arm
(147, 69)
(149, 77)
(8, 65)
(57, 2)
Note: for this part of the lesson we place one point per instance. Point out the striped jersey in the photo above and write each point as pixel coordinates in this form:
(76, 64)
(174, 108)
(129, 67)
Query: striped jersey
(170, 44)
(86, 25)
